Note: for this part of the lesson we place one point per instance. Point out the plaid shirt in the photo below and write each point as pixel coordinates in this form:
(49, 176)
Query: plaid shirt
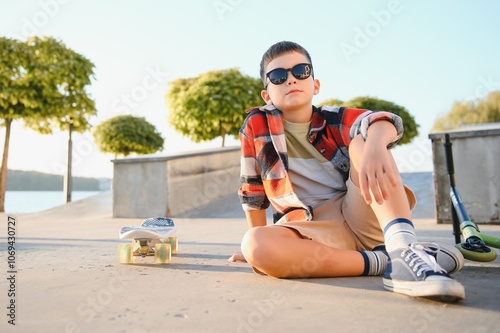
(264, 161)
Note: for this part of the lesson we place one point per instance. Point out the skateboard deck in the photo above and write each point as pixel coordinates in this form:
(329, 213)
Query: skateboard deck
(154, 237)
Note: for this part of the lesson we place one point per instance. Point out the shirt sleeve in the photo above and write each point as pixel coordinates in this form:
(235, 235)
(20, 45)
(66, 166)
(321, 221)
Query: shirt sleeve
(365, 120)
(251, 192)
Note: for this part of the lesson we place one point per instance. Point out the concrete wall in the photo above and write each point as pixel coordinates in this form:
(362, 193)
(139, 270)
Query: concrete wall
(171, 185)
(476, 154)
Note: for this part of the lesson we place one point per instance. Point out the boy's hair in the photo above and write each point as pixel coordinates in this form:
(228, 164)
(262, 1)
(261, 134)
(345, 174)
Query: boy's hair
(278, 49)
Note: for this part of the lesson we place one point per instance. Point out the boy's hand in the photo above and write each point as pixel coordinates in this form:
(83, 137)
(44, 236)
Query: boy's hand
(378, 173)
(238, 256)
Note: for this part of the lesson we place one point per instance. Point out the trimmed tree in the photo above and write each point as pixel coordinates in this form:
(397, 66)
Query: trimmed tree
(70, 106)
(43, 84)
(66, 99)
(126, 134)
(17, 99)
(213, 104)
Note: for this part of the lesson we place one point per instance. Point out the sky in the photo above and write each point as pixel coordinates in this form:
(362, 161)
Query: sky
(423, 55)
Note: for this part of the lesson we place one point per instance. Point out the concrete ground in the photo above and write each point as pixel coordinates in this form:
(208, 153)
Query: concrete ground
(67, 279)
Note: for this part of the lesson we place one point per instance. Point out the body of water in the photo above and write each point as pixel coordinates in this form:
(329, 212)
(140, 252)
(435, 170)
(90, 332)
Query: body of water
(20, 202)
(422, 184)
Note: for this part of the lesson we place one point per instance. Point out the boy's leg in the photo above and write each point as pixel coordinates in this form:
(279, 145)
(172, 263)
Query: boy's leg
(281, 252)
(363, 222)
(411, 270)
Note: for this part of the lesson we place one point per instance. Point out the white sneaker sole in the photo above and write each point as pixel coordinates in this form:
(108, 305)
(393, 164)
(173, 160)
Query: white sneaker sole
(450, 258)
(445, 290)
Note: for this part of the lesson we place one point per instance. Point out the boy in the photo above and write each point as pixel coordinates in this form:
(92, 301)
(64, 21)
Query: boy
(334, 188)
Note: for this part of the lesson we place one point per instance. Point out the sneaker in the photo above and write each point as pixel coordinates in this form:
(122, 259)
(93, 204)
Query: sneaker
(447, 256)
(413, 271)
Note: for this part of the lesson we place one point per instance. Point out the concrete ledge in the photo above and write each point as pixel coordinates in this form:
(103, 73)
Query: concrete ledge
(476, 155)
(171, 185)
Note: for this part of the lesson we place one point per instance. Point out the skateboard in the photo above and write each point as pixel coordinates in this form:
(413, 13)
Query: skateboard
(154, 237)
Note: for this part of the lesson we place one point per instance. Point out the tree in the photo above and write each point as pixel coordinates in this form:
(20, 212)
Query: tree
(66, 99)
(126, 134)
(486, 110)
(375, 104)
(17, 100)
(332, 101)
(68, 104)
(43, 83)
(212, 104)
(489, 108)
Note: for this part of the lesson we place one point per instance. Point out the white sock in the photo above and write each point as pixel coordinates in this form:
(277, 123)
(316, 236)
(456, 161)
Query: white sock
(375, 262)
(399, 233)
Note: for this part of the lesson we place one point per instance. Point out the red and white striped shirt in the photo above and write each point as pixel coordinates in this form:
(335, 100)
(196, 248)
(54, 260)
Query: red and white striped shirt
(264, 160)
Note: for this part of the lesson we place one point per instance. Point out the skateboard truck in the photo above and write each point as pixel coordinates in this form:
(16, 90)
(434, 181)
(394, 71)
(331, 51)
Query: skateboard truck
(144, 249)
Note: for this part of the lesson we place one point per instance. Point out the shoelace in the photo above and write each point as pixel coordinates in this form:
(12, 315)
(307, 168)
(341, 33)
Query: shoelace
(421, 257)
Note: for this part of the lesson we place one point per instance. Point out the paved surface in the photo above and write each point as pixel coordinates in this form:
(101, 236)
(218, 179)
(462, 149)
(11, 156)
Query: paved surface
(68, 280)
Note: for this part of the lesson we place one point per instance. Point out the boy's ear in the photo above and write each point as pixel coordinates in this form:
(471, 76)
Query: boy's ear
(265, 96)
(316, 86)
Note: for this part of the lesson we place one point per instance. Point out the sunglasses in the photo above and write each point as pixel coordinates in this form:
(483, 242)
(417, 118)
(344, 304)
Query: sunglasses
(280, 75)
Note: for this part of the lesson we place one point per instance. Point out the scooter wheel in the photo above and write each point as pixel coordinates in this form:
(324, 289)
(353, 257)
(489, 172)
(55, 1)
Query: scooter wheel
(483, 254)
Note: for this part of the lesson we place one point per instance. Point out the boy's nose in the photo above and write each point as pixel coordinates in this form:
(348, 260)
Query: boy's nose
(291, 79)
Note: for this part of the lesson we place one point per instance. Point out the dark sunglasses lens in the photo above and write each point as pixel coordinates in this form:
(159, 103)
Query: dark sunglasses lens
(278, 75)
(301, 71)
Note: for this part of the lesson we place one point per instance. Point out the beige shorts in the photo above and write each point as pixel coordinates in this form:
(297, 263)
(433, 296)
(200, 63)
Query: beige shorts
(345, 222)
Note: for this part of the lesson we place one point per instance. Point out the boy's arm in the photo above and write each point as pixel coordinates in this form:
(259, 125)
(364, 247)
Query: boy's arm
(366, 118)
(380, 132)
(251, 192)
(377, 170)
(256, 218)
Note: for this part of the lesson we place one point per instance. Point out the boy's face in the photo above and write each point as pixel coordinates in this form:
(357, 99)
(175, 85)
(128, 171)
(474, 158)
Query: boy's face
(293, 94)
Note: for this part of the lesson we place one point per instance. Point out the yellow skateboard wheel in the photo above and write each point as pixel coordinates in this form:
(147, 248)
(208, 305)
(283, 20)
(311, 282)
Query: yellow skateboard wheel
(125, 254)
(173, 244)
(162, 253)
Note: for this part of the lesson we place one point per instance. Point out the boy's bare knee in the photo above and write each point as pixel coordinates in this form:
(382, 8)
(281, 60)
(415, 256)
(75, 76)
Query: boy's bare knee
(263, 247)
(254, 246)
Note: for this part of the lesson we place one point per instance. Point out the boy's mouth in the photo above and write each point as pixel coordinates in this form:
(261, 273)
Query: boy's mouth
(293, 91)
